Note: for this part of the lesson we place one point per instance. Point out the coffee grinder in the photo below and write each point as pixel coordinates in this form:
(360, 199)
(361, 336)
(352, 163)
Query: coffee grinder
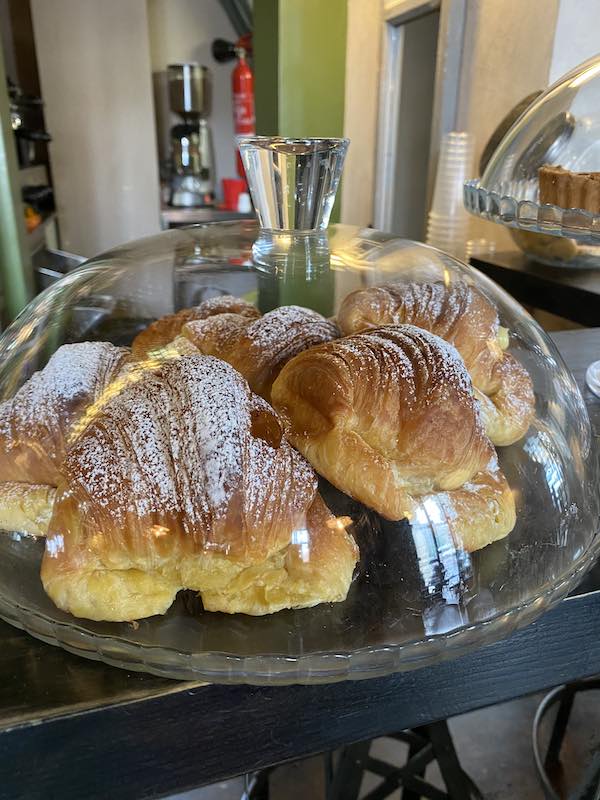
(193, 174)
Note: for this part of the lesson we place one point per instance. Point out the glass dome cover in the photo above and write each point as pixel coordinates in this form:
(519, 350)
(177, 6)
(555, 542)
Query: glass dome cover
(417, 588)
(561, 128)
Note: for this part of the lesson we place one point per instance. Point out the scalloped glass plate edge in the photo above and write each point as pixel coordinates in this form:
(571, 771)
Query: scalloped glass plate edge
(527, 215)
(324, 667)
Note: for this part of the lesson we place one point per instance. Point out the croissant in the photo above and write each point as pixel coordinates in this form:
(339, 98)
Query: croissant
(184, 480)
(258, 348)
(26, 507)
(507, 409)
(477, 514)
(316, 566)
(462, 315)
(166, 329)
(36, 423)
(388, 416)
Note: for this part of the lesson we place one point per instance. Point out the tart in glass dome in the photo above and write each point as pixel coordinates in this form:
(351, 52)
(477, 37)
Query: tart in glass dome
(543, 176)
(287, 452)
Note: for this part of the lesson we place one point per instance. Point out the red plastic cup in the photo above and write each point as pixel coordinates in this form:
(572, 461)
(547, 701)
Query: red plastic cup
(232, 189)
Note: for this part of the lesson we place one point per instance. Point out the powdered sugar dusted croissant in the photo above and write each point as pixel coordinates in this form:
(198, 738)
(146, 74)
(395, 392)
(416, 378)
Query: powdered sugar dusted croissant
(164, 330)
(456, 312)
(36, 423)
(184, 480)
(462, 315)
(388, 416)
(259, 348)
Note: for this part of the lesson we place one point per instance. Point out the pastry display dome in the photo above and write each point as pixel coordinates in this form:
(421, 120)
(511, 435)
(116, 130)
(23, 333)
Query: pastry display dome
(543, 177)
(287, 454)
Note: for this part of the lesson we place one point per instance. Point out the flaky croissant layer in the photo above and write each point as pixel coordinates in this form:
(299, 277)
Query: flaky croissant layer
(383, 415)
(184, 480)
(173, 473)
(463, 316)
(259, 348)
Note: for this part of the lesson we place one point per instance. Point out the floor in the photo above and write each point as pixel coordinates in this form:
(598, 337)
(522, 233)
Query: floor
(494, 746)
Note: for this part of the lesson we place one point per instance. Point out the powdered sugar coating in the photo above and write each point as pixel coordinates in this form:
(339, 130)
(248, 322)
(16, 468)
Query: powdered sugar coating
(260, 348)
(161, 332)
(225, 304)
(409, 357)
(38, 418)
(75, 373)
(457, 312)
(278, 326)
(177, 447)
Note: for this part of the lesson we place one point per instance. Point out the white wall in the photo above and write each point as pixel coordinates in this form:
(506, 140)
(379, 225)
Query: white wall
(361, 103)
(507, 54)
(577, 35)
(95, 74)
(183, 30)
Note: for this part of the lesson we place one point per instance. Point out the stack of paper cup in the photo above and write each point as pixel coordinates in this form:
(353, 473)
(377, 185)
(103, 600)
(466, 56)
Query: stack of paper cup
(448, 223)
(480, 248)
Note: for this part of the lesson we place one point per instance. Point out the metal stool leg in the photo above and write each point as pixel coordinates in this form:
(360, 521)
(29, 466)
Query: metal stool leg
(549, 768)
(329, 769)
(257, 786)
(458, 783)
(552, 758)
(408, 794)
(427, 744)
(348, 775)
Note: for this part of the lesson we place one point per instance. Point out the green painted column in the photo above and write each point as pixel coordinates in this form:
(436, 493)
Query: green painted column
(300, 68)
(300, 73)
(15, 263)
(312, 67)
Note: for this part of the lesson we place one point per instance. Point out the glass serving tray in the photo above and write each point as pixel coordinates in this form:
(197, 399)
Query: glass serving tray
(529, 215)
(415, 598)
(561, 128)
(436, 610)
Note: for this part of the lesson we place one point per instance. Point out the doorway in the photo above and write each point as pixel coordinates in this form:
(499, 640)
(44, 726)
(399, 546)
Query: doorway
(405, 122)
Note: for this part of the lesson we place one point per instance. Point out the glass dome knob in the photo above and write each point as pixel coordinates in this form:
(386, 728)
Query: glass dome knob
(293, 182)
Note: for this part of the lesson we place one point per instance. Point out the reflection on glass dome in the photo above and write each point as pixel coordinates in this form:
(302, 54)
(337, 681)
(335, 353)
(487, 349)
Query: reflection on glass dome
(456, 531)
(541, 450)
(333, 464)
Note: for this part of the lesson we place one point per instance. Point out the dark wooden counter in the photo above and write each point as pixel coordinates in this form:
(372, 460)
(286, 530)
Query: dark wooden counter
(71, 728)
(570, 293)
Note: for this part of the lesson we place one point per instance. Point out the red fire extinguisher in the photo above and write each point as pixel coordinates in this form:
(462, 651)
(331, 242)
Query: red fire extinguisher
(242, 84)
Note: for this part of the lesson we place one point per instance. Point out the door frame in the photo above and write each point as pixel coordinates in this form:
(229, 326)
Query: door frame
(451, 39)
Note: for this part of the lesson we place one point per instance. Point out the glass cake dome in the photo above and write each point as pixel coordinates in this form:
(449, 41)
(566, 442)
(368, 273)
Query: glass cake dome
(561, 128)
(412, 556)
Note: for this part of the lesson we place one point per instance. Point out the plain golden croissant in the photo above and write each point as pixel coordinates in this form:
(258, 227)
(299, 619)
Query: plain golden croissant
(184, 480)
(462, 315)
(259, 348)
(477, 514)
(26, 507)
(388, 416)
(166, 329)
(36, 423)
(507, 409)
